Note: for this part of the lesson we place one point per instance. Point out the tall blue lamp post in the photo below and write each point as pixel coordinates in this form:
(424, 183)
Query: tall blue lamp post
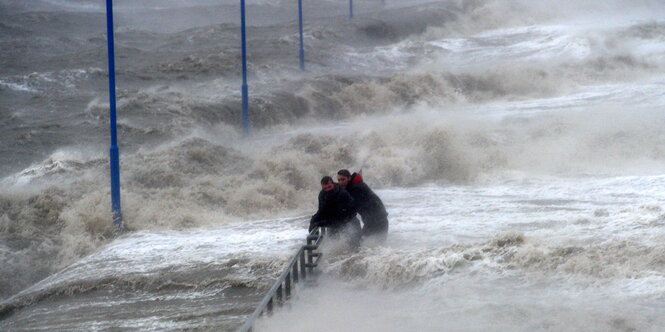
(113, 151)
(245, 92)
(302, 44)
(350, 8)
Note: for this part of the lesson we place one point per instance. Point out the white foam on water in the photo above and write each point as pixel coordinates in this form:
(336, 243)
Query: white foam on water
(17, 86)
(76, 5)
(60, 161)
(524, 43)
(547, 208)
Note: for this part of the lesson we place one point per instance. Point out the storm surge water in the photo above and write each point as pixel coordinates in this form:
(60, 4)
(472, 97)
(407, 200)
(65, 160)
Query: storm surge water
(518, 146)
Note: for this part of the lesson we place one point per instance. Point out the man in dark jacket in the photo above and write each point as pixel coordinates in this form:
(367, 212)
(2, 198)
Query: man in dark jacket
(337, 212)
(368, 204)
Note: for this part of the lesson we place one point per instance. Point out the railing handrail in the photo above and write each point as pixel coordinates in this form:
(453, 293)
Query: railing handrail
(286, 273)
(264, 303)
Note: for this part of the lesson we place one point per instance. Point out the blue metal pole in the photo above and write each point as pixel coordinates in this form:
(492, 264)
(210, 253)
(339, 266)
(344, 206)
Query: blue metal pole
(113, 151)
(350, 8)
(245, 90)
(302, 43)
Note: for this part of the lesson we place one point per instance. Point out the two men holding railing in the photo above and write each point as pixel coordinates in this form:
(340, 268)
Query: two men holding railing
(338, 208)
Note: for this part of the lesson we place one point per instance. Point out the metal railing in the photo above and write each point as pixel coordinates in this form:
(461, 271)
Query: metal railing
(300, 268)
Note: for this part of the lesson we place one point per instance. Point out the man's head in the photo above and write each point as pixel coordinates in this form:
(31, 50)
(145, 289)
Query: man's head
(343, 177)
(327, 183)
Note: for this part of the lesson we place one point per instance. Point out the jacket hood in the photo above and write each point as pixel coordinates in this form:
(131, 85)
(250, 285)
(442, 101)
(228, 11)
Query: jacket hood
(356, 178)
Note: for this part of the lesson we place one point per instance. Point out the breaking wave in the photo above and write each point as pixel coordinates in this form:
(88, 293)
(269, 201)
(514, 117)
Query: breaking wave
(387, 268)
(201, 181)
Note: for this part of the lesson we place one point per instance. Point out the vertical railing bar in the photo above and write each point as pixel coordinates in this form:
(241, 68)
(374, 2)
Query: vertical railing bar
(303, 271)
(309, 261)
(295, 272)
(279, 296)
(287, 286)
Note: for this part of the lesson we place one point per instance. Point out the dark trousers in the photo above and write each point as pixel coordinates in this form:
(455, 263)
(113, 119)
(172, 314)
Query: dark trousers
(375, 225)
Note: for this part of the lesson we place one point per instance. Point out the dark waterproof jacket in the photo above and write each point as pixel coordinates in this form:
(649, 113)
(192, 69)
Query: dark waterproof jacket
(367, 202)
(336, 208)
(369, 206)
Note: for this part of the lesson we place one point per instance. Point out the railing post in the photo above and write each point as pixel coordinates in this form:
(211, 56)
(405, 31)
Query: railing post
(279, 296)
(114, 153)
(303, 270)
(350, 8)
(310, 260)
(287, 287)
(244, 88)
(295, 272)
(269, 307)
(302, 43)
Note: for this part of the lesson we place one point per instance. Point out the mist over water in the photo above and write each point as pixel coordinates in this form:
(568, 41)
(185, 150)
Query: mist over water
(518, 146)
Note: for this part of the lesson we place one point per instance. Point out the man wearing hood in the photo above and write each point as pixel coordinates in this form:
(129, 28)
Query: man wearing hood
(368, 204)
(337, 212)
